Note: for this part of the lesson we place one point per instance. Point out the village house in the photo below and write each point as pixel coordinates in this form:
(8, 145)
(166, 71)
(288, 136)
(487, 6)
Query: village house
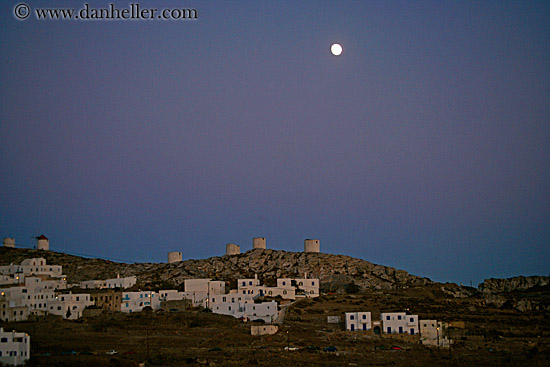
(69, 306)
(243, 306)
(122, 283)
(287, 288)
(399, 323)
(107, 299)
(137, 301)
(12, 313)
(117, 282)
(15, 348)
(93, 284)
(358, 321)
(198, 291)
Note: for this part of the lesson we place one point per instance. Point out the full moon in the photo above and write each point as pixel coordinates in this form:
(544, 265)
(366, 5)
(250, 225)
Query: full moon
(336, 49)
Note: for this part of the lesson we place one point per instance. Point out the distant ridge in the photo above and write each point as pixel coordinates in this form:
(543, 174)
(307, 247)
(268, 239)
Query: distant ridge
(334, 271)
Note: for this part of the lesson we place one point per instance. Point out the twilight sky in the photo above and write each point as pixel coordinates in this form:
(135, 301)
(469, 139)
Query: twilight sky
(424, 146)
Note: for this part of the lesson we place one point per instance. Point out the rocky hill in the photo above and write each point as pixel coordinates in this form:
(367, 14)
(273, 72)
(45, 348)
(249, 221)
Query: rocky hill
(336, 272)
(514, 284)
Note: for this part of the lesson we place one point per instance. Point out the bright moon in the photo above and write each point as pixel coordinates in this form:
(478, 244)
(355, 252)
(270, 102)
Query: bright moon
(336, 49)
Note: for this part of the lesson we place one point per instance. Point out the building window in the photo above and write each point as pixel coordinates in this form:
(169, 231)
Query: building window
(4, 340)
(351, 317)
(412, 319)
(398, 317)
(364, 317)
(387, 318)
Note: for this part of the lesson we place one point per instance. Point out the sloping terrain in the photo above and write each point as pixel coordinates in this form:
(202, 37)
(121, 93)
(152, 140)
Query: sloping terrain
(336, 272)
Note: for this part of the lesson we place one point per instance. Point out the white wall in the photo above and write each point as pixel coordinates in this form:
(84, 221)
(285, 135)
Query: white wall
(399, 323)
(357, 321)
(15, 348)
(75, 303)
(137, 301)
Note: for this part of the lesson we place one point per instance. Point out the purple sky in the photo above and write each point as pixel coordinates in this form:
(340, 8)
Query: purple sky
(424, 146)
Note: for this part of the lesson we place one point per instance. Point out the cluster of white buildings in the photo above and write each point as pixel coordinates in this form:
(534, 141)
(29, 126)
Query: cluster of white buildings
(240, 303)
(429, 331)
(26, 289)
(37, 288)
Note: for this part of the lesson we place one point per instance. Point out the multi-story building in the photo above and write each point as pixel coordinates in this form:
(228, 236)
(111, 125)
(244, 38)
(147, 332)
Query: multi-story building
(358, 321)
(238, 305)
(137, 301)
(198, 291)
(15, 348)
(287, 288)
(11, 313)
(399, 322)
(107, 299)
(69, 306)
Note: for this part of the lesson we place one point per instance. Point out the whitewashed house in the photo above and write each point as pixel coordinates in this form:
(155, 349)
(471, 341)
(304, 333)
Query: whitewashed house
(171, 295)
(303, 287)
(93, 284)
(8, 279)
(399, 323)
(69, 306)
(287, 288)
(119, 282)
(9, 312)
(358, 321)
(198, 291)
(15, 348)
(240, 305)
(431, 333)
(137, 301)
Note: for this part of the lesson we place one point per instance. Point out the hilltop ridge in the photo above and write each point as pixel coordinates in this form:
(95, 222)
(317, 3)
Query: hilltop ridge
(334, 271)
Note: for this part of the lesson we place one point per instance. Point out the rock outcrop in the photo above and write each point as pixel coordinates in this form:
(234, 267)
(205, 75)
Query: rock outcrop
(524, 294)
(508, 285)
